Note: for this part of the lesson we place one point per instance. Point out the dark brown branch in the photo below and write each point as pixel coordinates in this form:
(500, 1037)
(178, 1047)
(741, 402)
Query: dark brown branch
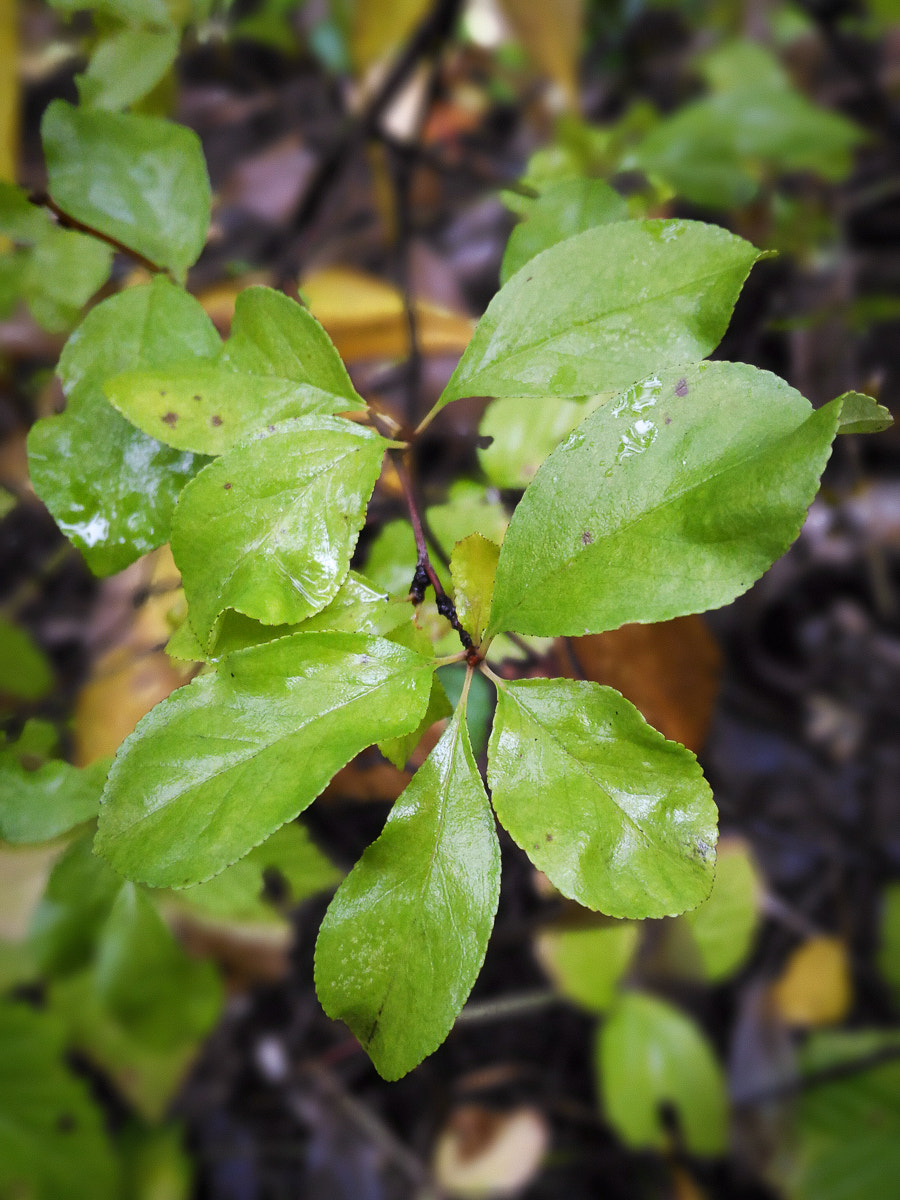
(425, 573)
(66, 221)
(426, 41)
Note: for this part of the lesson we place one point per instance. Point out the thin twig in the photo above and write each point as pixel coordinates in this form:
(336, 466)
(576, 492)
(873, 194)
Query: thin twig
(67, 221)
(425, 573)
(426, 40)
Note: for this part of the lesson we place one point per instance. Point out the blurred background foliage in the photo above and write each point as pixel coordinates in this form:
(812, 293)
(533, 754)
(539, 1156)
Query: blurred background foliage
(393, 162)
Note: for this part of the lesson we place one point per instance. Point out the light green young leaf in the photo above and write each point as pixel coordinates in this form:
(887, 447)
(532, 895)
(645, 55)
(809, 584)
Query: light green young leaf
(724, 925)
(153, 988)
(237, 894)
(741, 62)
(279, 362)
(52, 1142)
(140, 180)
(118, 505)
(618, 818)
(524, 432)
(473, 565)
(862, 414)
(37, 805)
(7, 502)
(61, 272)
(602, 309)
(397, 750)
(406, 933)
(222, 763)
(25, 671)
(269, 528)
(78, 899)
(126, 65)
(649, 1055)
(587, 964)
(560, 212)
(677, 496)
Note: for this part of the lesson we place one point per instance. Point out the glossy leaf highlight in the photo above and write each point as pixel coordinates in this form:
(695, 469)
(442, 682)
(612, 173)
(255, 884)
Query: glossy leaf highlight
(222, 763)
(618, 818)
(406, 933)
(140, 180)
(269, 528)
(672, 498)
(119, 504)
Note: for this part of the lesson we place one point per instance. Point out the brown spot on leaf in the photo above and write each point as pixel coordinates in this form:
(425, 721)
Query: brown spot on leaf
(66, 1123)
(170, 419)
(587, 538)
(548, 837)
(162, 393)
(198, 397)
(271, 428)
(227, 487)
(681, 387)
(215, 419)
(668, 420)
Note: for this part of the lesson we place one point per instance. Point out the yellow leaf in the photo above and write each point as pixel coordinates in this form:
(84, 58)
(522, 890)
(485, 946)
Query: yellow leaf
(9, 90)
(135, 674)
(551, 33)
(380, 29)
(815, 987)
(365, 317)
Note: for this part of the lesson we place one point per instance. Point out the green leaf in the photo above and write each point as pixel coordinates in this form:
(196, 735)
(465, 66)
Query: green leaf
(218, 766)
(155, 1165)
(560, 212)
(21, 220)
(712, 151)
(473, 564)
(397, 750)
(37, 805)
(523, 433)
(600, 310)
(269, 528)
(78, 899)
(153, 988)
(358, 607)
(237, 894)
(125, 66)
(650, 1055)
(406, 933)
(862, 414)
(61, 272)
(7, 502)
(671, 499)
(118, 505)
(618, 818)
(25, 671)
(279, 362)
(52, 1142)
(140, 180)
(586, 965)
(724, 926)
(847, 1135)
(146, 1076)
